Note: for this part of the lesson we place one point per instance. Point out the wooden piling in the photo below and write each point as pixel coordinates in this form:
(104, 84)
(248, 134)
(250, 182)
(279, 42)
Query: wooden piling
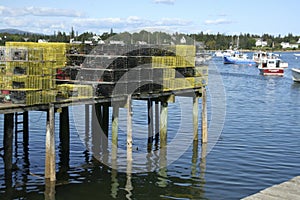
(114, 131)
(163, 123)
(25, 130)
(8, 141)
(150, 121)
(87, 124)
(96, 138)
(128, 186)
(204, 116)
(104, 134)
(195, 116)
(115, 125)
(156, 122)
(49, 193)
(129, 128)
(64, 137)
(105, 119)
(50, 172)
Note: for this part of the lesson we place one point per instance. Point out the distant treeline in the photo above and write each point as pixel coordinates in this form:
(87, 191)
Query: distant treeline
(210, 41)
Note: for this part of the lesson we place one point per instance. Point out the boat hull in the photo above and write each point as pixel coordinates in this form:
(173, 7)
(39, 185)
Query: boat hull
(237, 61)
(272, 72)
(296, 74)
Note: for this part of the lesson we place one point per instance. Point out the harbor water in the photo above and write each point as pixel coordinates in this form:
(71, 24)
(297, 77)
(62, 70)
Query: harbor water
(259, 146)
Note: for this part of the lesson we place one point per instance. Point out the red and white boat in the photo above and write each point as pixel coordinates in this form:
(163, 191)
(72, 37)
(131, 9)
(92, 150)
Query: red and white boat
(271, 67)
(260, 56)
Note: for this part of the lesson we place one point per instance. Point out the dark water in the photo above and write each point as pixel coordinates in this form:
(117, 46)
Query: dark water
(259, 147)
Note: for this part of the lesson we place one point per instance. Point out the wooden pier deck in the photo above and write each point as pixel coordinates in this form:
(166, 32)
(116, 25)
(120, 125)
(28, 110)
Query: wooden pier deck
(289, 190)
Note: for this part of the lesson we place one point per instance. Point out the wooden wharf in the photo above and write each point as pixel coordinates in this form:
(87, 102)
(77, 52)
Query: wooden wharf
(289, 190)
(100, 105)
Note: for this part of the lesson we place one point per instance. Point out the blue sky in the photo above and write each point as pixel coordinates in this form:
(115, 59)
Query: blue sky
(185, 16)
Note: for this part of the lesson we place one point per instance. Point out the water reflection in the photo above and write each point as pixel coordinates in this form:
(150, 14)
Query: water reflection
(49, 190)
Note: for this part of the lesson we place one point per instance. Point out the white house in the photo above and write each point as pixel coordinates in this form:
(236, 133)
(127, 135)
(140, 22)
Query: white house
(261, 43)
(141, 42)
(183, 40)
(116, 42)
(285, 45)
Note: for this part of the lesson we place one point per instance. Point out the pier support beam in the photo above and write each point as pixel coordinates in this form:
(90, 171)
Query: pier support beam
(105, 119)
(163, 123)
(25, 131)
(105, 127)
(96, 130)
(195, 116)
(150, 122)
(129, 128)
(50, 172)
(156, 122)
(114, 131)
(8, 142)
(64, 137)
(87, 124)
(204, 116)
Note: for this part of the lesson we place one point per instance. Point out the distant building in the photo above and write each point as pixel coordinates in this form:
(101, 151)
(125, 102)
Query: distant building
(141, 42)
(261, 43)
(285, 45)
(90, 42)
(116, 42)
(73, 41)
(183, 40)
(42, 41)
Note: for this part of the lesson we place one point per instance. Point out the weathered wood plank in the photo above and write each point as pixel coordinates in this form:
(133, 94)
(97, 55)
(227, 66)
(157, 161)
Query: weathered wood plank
(288, 190)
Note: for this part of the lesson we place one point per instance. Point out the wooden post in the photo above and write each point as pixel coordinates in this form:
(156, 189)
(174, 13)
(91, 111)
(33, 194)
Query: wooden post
(129, 128)
(87, 125)
(195, 116)
(104, 134)
(150, 122)
(49, 193)
(204, 116)
(105, 117)
(156, 122)
(8, 141)
(50, 145)
(25, 130)
(114, 131)
(8, 151)
(64, 137)
(194, 166)
(163, 123)
(96, 138)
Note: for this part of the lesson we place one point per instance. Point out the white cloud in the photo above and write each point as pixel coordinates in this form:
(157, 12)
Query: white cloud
(218, 21)
(169, 2)
(38, 11)
(172, 21)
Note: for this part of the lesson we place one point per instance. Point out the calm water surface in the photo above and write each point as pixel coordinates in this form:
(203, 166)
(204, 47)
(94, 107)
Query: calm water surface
(259, 147)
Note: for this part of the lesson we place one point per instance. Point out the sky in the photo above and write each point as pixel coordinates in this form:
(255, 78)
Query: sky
(228, 17)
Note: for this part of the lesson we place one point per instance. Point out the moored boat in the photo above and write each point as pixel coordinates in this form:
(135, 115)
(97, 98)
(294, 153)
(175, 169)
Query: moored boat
(239, 59)
(260, 56)
(271, 67)
(297, 54)
(296, 74)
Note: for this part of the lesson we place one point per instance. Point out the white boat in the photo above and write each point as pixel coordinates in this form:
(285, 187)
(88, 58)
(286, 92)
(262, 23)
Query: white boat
(258, 57)
(238, 58)
(271, 67)
(227, 52)
(296, 74)
(297, 54)
(218, 53)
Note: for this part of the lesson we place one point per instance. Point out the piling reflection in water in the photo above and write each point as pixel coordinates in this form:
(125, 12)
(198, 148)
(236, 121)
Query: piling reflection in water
(96, 175)
(102, 149)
